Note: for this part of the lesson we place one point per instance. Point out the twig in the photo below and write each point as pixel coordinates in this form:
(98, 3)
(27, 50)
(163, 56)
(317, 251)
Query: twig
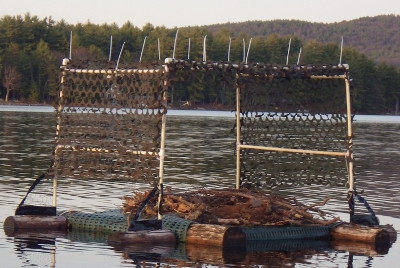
(180, 199)
(229, 221)
(317, 204)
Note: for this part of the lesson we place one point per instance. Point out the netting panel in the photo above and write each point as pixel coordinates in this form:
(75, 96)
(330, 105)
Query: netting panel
(284, 107)
(109, 123)
(306, 114)
(42, 194)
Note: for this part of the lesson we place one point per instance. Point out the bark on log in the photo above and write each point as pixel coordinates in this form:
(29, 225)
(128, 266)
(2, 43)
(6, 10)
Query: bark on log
(58, 223)
(156, 237)
(215, 235)
(357, 233)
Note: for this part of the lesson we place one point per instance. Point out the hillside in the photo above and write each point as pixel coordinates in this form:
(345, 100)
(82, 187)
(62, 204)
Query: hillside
(377, 37)
(31, 50)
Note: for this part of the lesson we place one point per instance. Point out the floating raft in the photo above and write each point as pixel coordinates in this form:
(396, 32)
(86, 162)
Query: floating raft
(113, 224)
(116, 223)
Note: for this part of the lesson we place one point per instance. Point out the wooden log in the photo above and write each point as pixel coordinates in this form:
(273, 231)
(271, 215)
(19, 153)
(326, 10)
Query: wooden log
(357, 233)
(156, 237)
(35, 222)
(215, 235)
(392, 232)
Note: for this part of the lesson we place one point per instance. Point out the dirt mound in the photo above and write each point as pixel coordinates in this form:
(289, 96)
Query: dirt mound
(233, 207)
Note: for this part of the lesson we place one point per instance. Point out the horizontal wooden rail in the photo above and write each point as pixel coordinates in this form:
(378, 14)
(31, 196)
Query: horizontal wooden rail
(288, 150)
(118, 71)
(328, 77)
(102, 150)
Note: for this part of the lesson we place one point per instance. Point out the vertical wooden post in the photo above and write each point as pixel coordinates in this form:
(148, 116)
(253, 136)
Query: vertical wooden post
(60, 108)
(161, 171)
(349, 153)
(237, 133)
(162, 149)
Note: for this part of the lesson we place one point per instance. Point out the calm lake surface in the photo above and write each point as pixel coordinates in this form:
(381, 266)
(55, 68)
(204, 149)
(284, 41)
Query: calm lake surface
(199, 153)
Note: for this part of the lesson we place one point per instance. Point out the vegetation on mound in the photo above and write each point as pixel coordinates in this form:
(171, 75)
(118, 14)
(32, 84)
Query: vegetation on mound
(232, 207)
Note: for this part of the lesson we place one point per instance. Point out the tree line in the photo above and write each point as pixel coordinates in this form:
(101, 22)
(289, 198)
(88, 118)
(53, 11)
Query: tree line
(32, 49)
(378, 37)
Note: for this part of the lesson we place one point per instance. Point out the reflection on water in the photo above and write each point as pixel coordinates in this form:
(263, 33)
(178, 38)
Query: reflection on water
(199, 154)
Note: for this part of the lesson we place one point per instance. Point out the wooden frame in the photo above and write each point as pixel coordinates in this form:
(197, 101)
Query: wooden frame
(348, 154)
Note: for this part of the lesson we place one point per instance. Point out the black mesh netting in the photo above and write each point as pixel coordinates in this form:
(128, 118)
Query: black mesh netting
(295, 107)
(109, 122)
(305, 114)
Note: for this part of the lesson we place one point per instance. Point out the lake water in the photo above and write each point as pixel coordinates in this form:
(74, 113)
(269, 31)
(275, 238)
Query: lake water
(199, 154)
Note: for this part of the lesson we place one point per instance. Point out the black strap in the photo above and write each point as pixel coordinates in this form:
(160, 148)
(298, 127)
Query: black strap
(367, 206)
(144, 202)
(35, 210)
(139, 225)
(351, 200)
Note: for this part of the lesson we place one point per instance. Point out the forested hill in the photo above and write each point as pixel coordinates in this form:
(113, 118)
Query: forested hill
(31, 50)
(377, 37)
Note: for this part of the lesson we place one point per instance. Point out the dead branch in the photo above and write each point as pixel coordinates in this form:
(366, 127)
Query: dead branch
(234, 207)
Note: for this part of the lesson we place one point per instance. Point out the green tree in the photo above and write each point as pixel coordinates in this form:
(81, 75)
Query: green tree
(389, 84)
(368, 97)
(44, 64)
(96, 53)
(221, 44)
(313, 52)
(34, 93)
(276, 46)
(11, 54)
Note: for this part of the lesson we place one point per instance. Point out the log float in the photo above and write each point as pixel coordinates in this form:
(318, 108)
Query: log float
(58, 223)
(225, 236)
(392, 232)
(215, 235)
(357, 233)
(156, 237)
(201, 234)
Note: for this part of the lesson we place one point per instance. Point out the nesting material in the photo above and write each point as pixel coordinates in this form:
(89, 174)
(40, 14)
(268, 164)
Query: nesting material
(232, 207)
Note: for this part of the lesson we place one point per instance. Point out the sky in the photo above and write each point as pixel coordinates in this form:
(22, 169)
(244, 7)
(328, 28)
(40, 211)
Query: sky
(180, 13)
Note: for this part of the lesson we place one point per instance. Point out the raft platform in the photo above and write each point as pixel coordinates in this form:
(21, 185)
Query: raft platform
(114, 223)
